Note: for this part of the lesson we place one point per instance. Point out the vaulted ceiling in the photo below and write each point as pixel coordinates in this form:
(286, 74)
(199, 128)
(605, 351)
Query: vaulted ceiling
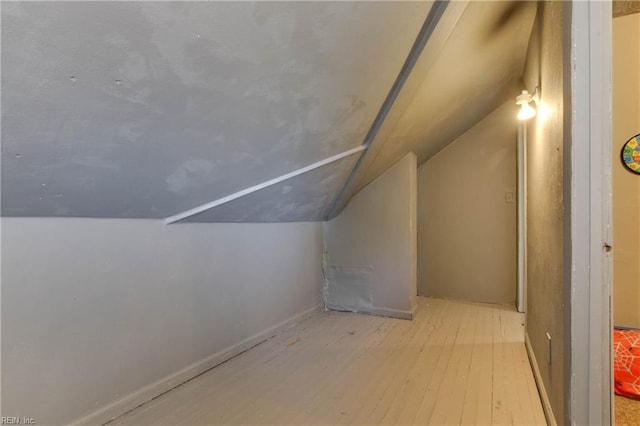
(149, 110)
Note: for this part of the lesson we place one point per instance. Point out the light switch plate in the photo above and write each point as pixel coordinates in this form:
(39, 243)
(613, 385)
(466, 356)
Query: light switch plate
(509, 197)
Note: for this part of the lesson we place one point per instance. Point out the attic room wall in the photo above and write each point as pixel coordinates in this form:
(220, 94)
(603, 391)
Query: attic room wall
(545, 223)
(626, 185)
(466, 223)
(95, 309)
(370, 248)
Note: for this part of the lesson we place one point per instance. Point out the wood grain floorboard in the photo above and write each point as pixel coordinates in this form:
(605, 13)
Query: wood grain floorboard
(456, 363)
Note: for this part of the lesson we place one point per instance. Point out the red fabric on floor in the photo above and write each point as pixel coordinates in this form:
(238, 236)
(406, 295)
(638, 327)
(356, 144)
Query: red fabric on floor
(626, 364)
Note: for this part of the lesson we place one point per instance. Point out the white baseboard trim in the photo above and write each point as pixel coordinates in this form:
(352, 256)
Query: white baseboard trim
(546, 404)
(147, 393)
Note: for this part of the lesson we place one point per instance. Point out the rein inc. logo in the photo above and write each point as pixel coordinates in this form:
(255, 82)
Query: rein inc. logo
(6, 420)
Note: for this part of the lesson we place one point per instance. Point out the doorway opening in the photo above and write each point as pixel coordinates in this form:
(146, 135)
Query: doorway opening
(625, 172)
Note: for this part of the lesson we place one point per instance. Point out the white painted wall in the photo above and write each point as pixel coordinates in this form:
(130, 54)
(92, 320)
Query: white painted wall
(370, 248)
(466, 223)
(96, 309)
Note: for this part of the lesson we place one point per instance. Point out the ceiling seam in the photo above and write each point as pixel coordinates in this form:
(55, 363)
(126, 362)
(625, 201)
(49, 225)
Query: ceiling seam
(220, 201)
(429, 25)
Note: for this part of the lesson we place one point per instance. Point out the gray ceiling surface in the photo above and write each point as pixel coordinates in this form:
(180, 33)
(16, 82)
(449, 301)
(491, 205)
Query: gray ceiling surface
(148, 109)
(478, 68)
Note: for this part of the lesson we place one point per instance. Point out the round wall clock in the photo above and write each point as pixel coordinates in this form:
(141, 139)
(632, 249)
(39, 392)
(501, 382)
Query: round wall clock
(630, 154)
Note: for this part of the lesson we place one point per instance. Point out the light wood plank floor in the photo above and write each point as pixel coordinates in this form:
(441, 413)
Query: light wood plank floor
(456, 363)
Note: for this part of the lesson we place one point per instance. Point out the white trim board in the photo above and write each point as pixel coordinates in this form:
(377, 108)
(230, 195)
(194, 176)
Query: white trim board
(544, 398)
(137, 398)
(587, 198)
(522, 216)
(204, 207)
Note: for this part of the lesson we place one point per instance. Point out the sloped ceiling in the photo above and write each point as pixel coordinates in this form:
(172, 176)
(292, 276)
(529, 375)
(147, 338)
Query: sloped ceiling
(146, 110)
(479, 68)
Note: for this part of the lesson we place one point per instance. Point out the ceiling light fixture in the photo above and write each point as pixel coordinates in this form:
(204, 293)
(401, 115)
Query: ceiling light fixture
(524, 99)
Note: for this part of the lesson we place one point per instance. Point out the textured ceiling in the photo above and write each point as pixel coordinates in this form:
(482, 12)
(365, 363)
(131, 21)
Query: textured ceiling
(136, 109)
(150, 109)
(479, 68)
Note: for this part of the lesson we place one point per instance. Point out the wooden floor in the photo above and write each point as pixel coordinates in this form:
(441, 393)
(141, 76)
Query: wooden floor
(456, 363)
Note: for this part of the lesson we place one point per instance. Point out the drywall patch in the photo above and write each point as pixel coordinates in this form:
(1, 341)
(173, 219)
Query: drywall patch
(348, 288)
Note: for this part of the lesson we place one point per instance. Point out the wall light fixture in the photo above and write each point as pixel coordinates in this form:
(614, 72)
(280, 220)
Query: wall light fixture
(524, 99)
